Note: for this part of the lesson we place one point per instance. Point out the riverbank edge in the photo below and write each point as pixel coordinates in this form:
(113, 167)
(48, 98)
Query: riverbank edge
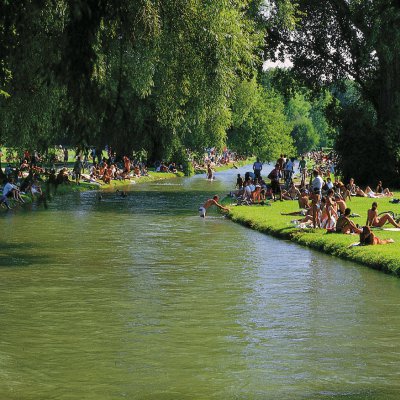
(72, 187)
(389, 265)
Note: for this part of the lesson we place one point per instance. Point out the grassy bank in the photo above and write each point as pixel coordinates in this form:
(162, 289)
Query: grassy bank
(268, 219)
(85, 186)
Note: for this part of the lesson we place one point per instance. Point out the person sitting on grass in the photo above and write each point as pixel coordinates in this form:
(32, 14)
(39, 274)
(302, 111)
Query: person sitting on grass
(380, 190)
(292, 193)
(378, 221)
(304, 199)
(354, 190)
(368, 238)
(62, 177)
(239, 183)
(35, 188)
(340, 203)
(345, 225)
(257, 196)
(106, 175)
(12, 191)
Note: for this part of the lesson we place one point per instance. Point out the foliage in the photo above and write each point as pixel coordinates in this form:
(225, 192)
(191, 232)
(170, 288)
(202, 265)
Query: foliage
(305, 110)
(349, 39)
(150, 74)
(258, 123)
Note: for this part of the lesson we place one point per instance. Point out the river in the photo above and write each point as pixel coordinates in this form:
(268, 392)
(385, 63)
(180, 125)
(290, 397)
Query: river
(139, 298)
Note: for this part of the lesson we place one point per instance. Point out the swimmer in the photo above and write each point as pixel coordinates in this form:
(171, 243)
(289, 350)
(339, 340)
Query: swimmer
(209, 203)
(121, 193)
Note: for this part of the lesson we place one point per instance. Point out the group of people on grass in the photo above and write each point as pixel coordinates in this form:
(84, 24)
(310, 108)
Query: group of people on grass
(27, 175)
(322, 202)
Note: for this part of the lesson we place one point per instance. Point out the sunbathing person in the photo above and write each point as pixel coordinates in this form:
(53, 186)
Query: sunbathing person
(256, 195)
(340, 203)
(370, 193)
(316, 207)
(380, 190)
(292, 194)
(328, 211)
(368, 238)
(378, 221)
(345, 225)
(355, 190)
(304, 199)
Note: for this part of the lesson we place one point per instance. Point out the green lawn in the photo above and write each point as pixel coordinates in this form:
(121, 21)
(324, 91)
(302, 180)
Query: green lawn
(268, 219)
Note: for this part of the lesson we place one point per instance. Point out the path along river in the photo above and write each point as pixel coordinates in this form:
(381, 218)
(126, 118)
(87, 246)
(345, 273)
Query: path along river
(139, 298)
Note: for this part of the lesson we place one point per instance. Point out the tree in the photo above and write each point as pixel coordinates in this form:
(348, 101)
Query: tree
(139, 74)
(341, 39)
(258, 124)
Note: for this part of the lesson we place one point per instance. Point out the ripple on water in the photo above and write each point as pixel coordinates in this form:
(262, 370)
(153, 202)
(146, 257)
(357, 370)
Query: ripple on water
(141, 298)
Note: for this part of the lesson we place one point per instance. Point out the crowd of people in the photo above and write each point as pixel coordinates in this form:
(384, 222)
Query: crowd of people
(321, 201)
(27, 173)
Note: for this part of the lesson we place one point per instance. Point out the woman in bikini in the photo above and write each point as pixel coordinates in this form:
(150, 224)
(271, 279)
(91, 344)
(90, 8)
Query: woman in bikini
(374, 220)
(368, 238)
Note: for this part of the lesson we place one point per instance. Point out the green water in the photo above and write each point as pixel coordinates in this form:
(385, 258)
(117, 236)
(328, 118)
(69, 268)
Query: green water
(139, 298)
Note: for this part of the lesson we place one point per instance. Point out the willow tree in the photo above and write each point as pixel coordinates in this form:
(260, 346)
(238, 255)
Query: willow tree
(350, 39)
(135, 74)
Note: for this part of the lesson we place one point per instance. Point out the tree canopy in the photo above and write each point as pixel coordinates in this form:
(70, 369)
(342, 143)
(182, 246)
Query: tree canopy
(139, 74)
(335, 40)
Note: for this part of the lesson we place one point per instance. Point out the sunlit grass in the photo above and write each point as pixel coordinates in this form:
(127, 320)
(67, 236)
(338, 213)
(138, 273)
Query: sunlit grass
(268, 219)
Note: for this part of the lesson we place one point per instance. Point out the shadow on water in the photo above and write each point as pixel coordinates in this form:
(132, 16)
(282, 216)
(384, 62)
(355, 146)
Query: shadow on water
(22, 254)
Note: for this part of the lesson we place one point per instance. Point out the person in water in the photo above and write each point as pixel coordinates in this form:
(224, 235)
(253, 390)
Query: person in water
(209, 203)
(368, 238)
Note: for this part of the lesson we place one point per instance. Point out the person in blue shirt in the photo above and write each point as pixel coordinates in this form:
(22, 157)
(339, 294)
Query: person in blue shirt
(257, 167)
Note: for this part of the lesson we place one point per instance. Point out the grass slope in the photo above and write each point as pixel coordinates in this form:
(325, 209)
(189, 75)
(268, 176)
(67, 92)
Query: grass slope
(269, 220)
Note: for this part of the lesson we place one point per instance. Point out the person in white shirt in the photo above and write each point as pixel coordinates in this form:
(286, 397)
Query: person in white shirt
(317, 183)
(316, 187)
(10, 191)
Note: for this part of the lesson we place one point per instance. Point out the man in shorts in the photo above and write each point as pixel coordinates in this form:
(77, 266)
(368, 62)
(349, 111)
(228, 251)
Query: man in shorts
(274, 176)
(209, 203)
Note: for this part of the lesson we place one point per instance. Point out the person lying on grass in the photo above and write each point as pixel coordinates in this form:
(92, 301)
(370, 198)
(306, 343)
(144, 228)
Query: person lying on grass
(374, 220)
(368, 238)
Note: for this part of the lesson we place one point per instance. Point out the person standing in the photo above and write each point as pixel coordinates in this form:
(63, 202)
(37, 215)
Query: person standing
(65, 156)
(316, 187)
(78, 166)
(289, 171)
(274, 176)
(303, 171)
(257, 167)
